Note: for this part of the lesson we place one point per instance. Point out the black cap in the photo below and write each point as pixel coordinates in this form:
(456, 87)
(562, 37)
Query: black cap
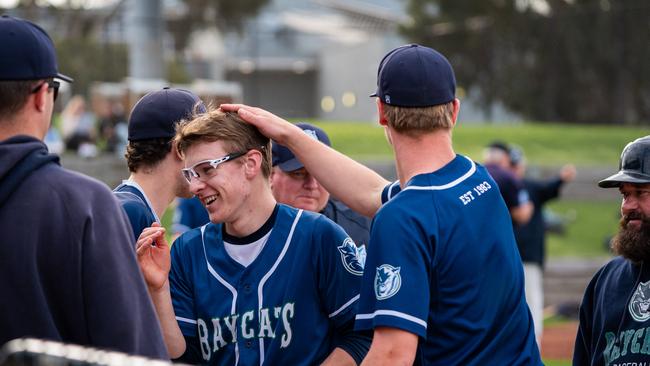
(634, 166)
(284, 158)
(29, 52)
(156, 114)
(415, 76)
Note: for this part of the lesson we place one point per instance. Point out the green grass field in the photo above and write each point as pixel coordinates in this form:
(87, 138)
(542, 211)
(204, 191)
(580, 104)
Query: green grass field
(544, 144)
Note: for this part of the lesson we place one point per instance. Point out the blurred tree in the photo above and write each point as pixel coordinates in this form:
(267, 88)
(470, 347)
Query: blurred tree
(550, 60)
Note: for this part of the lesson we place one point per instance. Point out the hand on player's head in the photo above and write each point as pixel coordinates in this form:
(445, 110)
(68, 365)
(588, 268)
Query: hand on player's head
(269, 124)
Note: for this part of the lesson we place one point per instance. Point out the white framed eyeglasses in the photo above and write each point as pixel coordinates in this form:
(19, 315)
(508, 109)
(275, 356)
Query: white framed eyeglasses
(206, 169)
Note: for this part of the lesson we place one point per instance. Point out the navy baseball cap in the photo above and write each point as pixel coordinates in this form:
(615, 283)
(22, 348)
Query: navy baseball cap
(156, 114)
(415, 76)
(29, 52)
(284, 158)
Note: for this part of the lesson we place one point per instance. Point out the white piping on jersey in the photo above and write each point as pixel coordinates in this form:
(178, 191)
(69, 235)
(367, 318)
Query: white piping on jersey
(214, 273)
(389, 196)
(451, 184)
(191, 321)
(135, 185)
(260, 287)
(352, 300)
(394, 313)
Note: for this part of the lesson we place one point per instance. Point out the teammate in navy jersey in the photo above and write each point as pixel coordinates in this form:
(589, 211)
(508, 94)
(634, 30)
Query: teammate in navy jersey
(263, 283)
(443, 282)
(153, 162)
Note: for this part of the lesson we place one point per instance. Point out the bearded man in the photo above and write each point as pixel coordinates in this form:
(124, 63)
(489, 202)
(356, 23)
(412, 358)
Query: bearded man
(615, 311)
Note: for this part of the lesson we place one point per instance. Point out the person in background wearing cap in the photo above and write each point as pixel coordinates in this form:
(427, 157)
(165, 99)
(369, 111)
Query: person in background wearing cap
(294, 186)
(615, 311)
(154, 163)
(68, 270)
(496, 158)
(531, 236)
(443, 282)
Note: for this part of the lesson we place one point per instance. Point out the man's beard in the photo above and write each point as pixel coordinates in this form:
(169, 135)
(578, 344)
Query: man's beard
(631, 242)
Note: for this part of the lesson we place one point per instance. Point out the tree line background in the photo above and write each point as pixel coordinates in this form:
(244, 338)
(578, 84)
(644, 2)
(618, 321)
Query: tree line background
(584, 61)
(577, 61)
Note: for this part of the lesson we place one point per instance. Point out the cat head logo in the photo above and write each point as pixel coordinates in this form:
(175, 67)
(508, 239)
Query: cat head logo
(387, 281)
(639, 306)
(353, 257)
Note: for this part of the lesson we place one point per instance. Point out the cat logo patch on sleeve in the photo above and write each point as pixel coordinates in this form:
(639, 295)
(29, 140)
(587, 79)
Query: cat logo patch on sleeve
(387, 281)
(353, 257)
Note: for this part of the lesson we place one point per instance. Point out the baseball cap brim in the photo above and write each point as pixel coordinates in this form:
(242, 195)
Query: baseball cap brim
(623, 177)
(64, 78)
(291, 165)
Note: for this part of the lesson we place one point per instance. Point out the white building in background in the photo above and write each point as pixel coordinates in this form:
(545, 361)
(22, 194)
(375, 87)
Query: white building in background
(306, 59)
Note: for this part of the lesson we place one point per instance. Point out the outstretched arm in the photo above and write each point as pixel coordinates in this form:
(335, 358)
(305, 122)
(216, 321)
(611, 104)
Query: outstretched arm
(356, 185)
(154, 259)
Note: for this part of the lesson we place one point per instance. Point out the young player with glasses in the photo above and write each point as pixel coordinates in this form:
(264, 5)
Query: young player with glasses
(263, 283)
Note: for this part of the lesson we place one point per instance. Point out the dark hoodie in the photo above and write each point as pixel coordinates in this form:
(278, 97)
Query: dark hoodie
(68, 270)
(615, 317)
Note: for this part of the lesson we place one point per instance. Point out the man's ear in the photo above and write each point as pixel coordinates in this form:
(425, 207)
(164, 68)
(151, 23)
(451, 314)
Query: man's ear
(39, 100)
(380, 109)
(456, 110)
(252, 163)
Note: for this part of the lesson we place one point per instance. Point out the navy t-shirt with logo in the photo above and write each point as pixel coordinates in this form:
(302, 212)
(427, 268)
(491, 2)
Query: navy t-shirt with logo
(443, 264)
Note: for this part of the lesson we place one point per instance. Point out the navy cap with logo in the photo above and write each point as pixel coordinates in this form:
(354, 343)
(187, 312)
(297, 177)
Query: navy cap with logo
(415, 76)
(284, 158)
(29, 52)
(156, 114)
(634, 166)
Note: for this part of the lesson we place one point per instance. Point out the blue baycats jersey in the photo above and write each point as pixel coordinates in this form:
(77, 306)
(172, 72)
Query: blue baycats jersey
(443, 264)
(284, 308)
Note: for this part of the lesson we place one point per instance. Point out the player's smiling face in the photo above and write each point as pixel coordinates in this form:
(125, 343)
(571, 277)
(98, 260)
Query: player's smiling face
(299, 189)
(224, 189)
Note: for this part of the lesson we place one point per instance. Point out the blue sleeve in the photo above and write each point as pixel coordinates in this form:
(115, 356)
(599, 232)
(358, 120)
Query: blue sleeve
(390, 191)
(340, 267)
(355, 343)
(396, 281)
(139, 218)
(181, 289)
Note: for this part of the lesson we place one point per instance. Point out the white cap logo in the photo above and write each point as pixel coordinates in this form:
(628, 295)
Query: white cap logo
(312, 134)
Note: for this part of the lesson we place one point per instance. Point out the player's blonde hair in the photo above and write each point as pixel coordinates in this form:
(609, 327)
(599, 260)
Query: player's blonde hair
(413, 121)
(227, 127)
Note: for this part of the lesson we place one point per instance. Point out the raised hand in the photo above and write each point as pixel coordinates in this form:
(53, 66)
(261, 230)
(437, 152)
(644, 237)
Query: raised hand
(153, 255)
